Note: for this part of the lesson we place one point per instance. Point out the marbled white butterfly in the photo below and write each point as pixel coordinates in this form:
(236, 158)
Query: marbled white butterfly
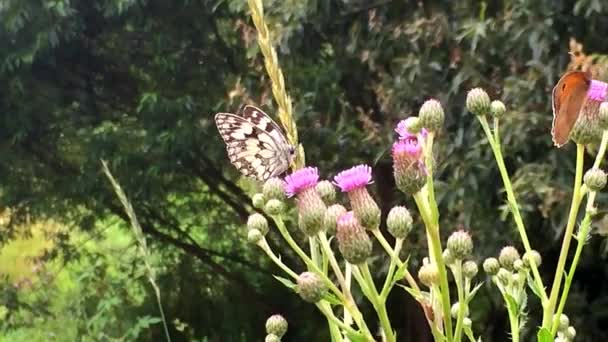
(256, 145)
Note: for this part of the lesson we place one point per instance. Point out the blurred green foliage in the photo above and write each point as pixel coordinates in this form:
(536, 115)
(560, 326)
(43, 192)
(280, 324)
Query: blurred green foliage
(130, 81)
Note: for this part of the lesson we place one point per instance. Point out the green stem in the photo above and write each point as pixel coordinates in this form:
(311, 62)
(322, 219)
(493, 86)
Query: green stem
(428, 163)
(519, 223)
(325, 308)
(432, 229)
(349, 303)
(514, 322)
(577, 197)
(581, 241)
(457, 271)
(314, 251)
(377, 302)
(391, 271)
(263, 244)
(395, 261)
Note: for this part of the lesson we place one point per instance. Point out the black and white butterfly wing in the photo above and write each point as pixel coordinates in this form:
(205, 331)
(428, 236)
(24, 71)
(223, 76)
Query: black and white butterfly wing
(256, 147)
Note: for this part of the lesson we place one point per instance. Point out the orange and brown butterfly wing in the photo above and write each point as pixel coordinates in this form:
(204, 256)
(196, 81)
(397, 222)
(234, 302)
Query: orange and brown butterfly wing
(568, 97)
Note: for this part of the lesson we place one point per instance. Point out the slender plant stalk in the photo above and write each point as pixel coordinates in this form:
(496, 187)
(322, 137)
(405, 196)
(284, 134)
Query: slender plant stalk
(395, 261)
(263, 244)
(581, 237)
(275, 73)
(519, 223)
(577, 197)
(432, 230)
(326, 310)
(428, 205)
(377, 302)
(460, 286)
(323, 306)
(141, 239)
(349, 303)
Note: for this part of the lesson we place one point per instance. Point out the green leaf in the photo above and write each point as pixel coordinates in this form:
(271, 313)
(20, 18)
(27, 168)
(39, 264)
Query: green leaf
(411, 291)
(473, 292)
(537, 292)
(511, 303)
(288, 283)
(331, 299)
(544, 335)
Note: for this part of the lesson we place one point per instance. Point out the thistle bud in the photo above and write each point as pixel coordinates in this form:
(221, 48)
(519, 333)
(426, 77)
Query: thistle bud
(455, 308)
(258, 201)
(254, 236)
(460, 244)
(258, 222)
(498, 109)
(518, 265)
(570, 333)
(428, 274)
(327, 191)
(276, 325)
(330, 221)
(414, 125)
(504, 276)
(399, 222)
(274, 207)
(532, 257)
(448, 258)
(507, 257)
(469, 269)
(408, 167)
(478, 101)
(310, 287)
(353, 242)
(491, 266)
(564, 322)
(586, 129)
(603, 115)
(431, 115)
(354, 181)
(274, 189)
(272, 338)
(467, 323)
(595, 179)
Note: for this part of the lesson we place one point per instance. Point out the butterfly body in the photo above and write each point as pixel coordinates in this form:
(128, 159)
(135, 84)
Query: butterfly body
(569, 97)
(255, 144)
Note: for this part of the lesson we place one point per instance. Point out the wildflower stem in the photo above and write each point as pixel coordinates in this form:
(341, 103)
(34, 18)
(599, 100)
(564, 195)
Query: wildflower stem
(432, 229)
(378, 302)
(395, 261)
(577, 197)
(457, 272)
(581, 237)
(263, 244)
(428, 163)
(325, 308)
(348, 302)
(314, 251)
(495, 145)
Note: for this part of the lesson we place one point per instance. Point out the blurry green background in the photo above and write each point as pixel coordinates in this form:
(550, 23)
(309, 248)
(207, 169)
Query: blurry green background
(137, 82)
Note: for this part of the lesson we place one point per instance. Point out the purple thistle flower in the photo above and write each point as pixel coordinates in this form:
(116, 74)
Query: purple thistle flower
(410, 147)
(300, 180)
(353, 182)
(354, 178)
(597, 90)
(311, 209)
(404, 131)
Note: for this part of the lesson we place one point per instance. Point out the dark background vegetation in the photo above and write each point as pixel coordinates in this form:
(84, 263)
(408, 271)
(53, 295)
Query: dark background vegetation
(137, 83)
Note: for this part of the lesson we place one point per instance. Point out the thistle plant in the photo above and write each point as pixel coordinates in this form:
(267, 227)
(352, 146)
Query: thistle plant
(334, 267)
